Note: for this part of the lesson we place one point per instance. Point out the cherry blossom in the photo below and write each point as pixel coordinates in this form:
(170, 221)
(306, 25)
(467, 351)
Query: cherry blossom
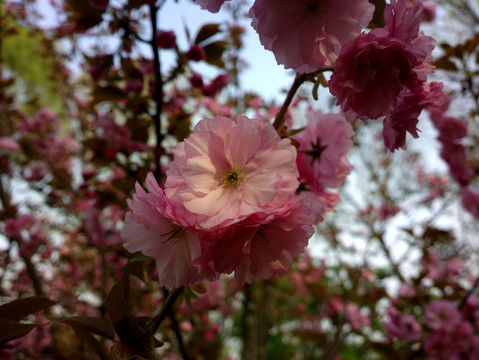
(226, 171)
(442, 315)
(323, 147)
(153, 228)
(306, 35)
(263, 250)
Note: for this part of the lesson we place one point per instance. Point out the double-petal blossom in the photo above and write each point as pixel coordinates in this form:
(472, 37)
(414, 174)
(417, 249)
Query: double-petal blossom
(226, 171)
(306, 35)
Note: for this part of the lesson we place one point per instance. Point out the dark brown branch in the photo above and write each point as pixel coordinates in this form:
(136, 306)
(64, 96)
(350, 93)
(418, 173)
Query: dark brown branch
(158, 93)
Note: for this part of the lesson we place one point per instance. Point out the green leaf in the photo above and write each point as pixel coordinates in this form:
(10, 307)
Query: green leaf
(10, 330)
(206, 32)
(20, 308)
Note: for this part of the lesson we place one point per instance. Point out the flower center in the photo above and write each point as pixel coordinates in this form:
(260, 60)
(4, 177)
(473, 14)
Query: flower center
(312, 7)
(233, 178)
(174, 232)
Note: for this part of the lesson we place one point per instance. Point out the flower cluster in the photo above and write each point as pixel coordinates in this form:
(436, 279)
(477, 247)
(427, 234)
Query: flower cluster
(382, 73)
(229, 204)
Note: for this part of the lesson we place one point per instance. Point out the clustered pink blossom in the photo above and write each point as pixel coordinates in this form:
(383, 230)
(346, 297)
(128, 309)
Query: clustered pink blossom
(165, 39)
(382, 73)
(229, 205)
(117, 138)
(306, 35)
(322, 157)
(446, 330)
(451, 131)
(402, 326)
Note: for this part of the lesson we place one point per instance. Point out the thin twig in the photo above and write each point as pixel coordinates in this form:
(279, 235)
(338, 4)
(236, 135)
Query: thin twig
(169, 301)
(279, 119)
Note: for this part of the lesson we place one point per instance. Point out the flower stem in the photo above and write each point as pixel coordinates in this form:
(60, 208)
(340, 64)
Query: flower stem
(169, 301)
(279, 119)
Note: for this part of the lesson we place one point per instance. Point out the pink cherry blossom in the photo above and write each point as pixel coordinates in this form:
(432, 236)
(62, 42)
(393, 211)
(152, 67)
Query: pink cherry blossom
(442, 315)
(451, 131)
(323, 147)
(402, 326)
(266, 250)
(440, 346)
(226, 171)
(370, 73)
(9, 143)
(470, 201)
(306, 35)
(210, 5)
(383, 73)
(165, 39)
(409, 105)
(153, 228)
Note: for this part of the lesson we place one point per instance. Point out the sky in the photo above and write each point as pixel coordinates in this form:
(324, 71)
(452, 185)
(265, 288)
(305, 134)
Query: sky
(263, 75)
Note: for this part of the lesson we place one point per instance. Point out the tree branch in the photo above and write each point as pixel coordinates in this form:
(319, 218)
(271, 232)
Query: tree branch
(158, 94)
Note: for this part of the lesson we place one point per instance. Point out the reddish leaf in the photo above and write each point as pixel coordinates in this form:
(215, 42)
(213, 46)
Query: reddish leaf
(445, 63)
(107, 93)
(214, 52)
(378, 17)
(91, 324)
(92, 342)
(206, 32)
(20, 308)
(118, 306)
(10, 330)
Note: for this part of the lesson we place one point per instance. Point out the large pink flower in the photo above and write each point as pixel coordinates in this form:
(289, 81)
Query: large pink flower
(153, 228)
(226, 171)
(306, 35)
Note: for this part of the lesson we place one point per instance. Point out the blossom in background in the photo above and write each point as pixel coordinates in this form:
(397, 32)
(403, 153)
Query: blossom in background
(402, 326)
(470, 201)
(210, 5)
(451, 131)
(227, 171)
(442, 315)
(306, 35)
(165, 39)
(153, 228)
